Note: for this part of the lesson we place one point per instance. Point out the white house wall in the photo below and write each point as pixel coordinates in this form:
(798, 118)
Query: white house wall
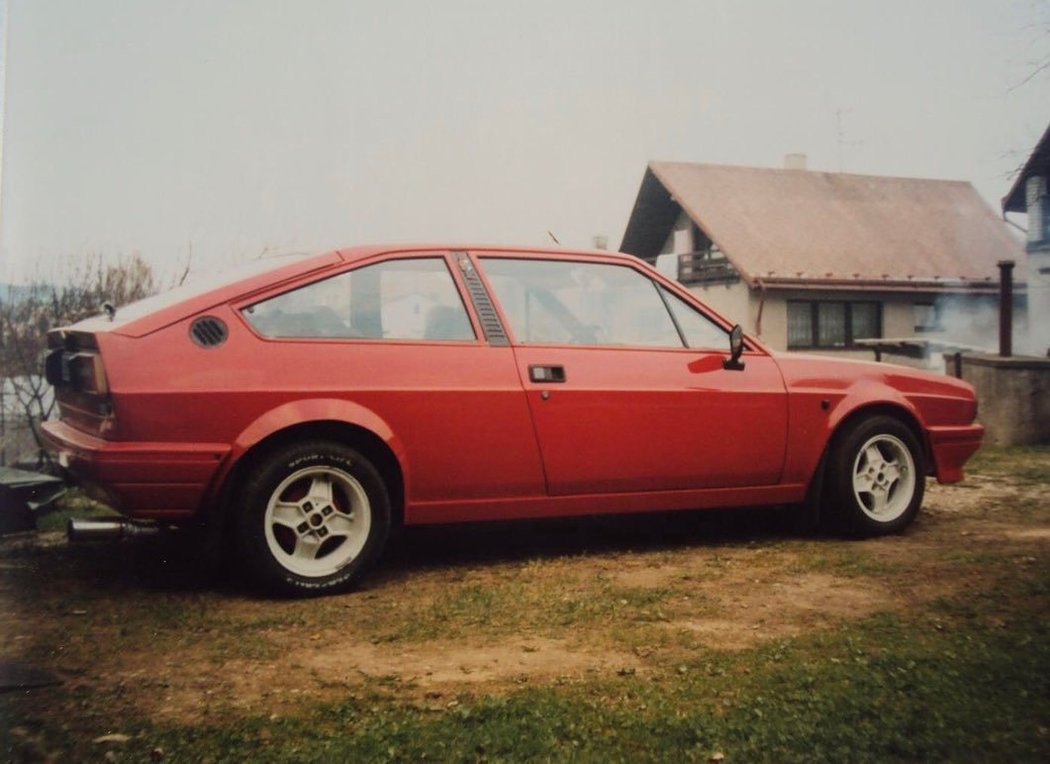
(730, 300)
(680, 240)
(1039, 302)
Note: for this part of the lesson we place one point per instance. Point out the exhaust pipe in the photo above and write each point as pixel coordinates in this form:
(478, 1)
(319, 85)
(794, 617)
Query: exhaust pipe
(106, 529)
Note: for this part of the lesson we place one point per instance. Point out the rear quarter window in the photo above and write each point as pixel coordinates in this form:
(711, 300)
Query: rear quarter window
(412, 299)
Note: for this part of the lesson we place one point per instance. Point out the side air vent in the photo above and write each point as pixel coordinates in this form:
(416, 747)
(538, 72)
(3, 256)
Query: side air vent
(490, 322)
(208, 331)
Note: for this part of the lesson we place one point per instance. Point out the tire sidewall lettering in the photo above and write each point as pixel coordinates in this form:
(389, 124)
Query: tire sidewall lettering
(318, 458)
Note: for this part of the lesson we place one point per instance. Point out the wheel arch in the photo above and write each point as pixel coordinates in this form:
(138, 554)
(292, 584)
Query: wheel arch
(339, 421)
(846, 419)
(883, 408)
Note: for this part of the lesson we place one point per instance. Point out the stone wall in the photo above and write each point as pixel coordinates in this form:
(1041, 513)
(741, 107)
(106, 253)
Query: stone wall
(1013, 396)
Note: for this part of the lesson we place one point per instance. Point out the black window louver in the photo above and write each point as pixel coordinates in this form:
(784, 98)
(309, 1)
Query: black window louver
(208, 331)
(490, 322)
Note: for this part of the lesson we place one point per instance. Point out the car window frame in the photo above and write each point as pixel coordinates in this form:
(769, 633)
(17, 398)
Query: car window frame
(666, 293)
(751, 345)
(654, 278)
(242, 303)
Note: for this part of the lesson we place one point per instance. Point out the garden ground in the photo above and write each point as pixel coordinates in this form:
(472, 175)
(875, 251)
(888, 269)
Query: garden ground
(686, 636)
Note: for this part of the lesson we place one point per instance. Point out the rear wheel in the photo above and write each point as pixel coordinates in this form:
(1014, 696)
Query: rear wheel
(311, 517)
(876, 477)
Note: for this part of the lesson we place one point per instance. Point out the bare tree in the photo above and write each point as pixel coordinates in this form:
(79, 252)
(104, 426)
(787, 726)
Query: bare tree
(1040, 29)
(26, 318)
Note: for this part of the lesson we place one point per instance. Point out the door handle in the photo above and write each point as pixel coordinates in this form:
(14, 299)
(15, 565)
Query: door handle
(539, 373)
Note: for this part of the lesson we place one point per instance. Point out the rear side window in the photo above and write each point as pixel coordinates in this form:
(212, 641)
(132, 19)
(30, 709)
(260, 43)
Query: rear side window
(413, 299)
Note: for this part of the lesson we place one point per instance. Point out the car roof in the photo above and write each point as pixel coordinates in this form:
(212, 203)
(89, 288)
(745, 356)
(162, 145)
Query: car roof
(153, 313)
(351, 254)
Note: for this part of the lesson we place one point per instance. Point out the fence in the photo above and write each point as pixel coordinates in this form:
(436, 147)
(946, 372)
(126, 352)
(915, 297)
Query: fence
(17, 443)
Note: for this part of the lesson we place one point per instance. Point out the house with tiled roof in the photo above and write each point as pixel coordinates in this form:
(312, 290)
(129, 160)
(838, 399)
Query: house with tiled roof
(824, 261)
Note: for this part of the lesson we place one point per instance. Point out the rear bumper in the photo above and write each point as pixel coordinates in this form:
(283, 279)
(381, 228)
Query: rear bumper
(146, 480)
(951, 448)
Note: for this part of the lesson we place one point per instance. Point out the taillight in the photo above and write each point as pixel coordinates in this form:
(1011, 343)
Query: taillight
(88, 374)
(80, 371)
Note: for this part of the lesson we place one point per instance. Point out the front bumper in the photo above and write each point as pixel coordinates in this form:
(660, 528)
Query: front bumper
(951, 447)
(150, 480)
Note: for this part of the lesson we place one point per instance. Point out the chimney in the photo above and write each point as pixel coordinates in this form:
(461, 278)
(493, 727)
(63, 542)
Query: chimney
(1006, 307)
(794, 161)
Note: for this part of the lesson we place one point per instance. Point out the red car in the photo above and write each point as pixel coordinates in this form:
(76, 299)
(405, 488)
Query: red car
(308, 408)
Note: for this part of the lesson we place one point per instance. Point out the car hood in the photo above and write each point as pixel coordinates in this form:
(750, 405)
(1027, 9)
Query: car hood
(807, 371)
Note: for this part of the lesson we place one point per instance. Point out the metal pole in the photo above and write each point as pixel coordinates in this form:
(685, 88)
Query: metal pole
(1006, 307)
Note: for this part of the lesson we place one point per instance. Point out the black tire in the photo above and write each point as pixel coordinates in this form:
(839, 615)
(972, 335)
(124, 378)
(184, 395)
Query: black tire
(876, 478)
(310, 518)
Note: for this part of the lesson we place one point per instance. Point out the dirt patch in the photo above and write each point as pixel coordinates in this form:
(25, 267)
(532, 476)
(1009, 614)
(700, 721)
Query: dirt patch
(640, 575)
(976, 496)
(747, 614)
(183, 691)
(445, 664)
(1029, 534)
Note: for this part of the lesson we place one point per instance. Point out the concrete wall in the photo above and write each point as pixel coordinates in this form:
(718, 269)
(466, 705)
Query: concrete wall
(1013, 396)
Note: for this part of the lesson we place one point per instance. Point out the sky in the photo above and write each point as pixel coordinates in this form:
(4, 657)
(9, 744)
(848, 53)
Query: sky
(212, 132)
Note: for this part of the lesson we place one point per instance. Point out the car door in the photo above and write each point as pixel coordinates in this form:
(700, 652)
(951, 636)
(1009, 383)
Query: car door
(626, 385)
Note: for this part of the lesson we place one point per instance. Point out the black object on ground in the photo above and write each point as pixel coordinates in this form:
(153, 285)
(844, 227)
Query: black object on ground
(22, 494)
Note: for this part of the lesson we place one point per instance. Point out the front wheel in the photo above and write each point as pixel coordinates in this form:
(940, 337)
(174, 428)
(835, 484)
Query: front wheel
(311, 517)
(876, 477)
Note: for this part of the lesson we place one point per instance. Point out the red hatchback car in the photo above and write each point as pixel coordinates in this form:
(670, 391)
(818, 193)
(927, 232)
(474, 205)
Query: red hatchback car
(307, 407)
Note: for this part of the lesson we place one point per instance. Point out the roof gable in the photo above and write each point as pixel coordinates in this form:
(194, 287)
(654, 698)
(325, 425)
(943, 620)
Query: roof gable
(801, 225)
(1037, 164)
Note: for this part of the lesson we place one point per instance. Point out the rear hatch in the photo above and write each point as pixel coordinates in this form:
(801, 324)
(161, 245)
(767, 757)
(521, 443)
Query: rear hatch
(75, 361)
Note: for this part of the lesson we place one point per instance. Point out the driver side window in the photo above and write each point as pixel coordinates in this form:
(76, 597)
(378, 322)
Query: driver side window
(580, 303)
(698, 329)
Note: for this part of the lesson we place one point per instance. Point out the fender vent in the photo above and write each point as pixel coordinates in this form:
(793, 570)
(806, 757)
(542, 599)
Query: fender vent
(208, 332)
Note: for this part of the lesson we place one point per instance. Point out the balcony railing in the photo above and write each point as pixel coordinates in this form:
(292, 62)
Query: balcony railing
(700, 268)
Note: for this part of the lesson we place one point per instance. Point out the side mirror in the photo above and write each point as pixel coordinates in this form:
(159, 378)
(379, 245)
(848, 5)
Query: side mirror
(736, 347)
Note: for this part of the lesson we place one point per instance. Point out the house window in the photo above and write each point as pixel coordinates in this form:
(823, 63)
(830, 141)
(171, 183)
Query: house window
(926, 318)
(826, 324)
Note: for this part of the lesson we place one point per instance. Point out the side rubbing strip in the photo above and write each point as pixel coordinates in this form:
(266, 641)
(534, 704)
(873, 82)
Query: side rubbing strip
(490, 322)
